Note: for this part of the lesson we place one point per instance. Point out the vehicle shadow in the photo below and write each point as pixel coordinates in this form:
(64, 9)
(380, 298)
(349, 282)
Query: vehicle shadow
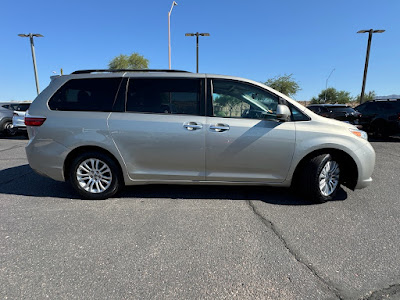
(22, 180)
(17, 136)
(271, 195)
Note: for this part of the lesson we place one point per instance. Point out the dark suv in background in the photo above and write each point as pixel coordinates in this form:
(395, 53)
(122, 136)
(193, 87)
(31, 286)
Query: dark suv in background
(339, 112)
(380, 117)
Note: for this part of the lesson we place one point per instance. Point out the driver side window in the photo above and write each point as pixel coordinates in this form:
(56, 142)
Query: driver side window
(233, 99)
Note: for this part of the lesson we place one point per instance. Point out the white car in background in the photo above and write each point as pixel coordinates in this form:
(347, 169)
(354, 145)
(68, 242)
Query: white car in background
(18, 119)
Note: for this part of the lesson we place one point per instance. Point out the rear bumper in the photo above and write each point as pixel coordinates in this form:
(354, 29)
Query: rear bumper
(50, 152)
(19, 122)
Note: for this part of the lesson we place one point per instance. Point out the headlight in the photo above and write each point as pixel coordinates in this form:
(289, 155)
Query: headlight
(359, 133)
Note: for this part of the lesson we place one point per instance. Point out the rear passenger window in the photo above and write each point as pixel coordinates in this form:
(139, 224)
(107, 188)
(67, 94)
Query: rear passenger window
(22, 107)
(95, 94)
(315, 109)
(165, 96)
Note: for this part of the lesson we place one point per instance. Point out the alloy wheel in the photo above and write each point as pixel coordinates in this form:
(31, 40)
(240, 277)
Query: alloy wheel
(94, 175)
(329, 178)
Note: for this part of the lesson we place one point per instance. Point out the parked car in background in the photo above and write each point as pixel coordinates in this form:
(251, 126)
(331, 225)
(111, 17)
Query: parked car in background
(6, 126)
(380, 117)
(103, 129)
(339, 112)
(18, 119)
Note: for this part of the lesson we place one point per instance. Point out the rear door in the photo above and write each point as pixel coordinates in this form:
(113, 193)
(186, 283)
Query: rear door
(161, 134)
(244, 140)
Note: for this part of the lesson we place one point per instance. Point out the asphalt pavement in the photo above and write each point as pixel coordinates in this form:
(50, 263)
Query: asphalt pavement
(197, 242)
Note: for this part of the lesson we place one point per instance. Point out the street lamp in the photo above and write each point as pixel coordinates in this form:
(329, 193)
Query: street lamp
(31, 35)
(326, 83)
(197, 46)
(370, 31)
(169, 33)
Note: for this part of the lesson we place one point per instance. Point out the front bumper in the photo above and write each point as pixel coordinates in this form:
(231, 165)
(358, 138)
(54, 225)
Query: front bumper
(365, 159)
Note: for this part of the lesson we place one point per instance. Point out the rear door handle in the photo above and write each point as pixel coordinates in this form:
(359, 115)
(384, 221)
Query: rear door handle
(192, 126)
(219, 127)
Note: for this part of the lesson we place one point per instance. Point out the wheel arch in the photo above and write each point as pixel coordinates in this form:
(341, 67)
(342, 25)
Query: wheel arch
(349, 170)
(77, 151)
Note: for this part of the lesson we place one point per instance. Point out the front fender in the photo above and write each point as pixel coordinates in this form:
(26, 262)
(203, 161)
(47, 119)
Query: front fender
(320, 137)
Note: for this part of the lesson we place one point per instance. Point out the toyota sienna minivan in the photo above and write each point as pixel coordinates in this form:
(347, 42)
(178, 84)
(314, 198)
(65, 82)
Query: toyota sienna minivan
(103, 129)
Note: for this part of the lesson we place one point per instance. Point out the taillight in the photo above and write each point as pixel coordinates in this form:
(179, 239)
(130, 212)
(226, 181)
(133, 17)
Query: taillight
(398, 116)
(34, 121)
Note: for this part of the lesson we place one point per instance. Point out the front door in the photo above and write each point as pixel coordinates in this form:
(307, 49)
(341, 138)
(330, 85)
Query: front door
(244, 140)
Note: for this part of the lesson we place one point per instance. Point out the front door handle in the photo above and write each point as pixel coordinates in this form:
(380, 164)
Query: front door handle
(219, 127)
(192, 126)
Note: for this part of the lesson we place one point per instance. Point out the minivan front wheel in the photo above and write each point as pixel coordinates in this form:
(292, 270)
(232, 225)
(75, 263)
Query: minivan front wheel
(321, 178)
(94, 176)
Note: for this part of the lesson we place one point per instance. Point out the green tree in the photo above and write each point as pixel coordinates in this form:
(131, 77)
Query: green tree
(133, 61)
(371, 95)
(284, 84)
(314, 100)
(331, 95)
(343, 97)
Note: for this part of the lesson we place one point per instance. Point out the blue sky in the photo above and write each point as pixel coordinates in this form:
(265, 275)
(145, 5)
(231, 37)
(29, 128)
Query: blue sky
(255, 39)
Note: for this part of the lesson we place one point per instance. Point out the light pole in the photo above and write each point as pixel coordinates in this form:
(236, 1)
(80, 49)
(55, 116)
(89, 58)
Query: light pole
(197, 46)
(169, 33)
(31, 35)
(370, 32)
(326, 83)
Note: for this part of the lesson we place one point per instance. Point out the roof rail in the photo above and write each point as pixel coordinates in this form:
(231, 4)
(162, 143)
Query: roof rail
(126, 70)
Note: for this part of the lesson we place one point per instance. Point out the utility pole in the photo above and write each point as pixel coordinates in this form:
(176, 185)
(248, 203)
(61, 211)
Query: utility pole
(326, 84)
(370, 32)
(197, 46)
(31, 35)
(169, 34)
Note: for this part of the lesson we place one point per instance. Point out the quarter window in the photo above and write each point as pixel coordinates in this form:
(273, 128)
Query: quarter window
(94, 94)
(164, 96)
(234, 99)
(297, 115)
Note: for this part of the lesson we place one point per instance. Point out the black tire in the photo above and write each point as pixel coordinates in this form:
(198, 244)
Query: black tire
(379, 129)
(94, 183)
(310, 179)
(7, 129)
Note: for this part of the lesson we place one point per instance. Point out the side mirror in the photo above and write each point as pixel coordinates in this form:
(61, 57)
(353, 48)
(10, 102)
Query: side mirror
(283, 112)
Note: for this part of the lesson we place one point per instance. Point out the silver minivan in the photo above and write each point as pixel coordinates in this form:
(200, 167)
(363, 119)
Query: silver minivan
(103, 129)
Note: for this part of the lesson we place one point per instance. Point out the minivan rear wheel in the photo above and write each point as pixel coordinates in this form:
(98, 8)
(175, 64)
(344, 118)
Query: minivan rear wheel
(320, 179)
(94, 175)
